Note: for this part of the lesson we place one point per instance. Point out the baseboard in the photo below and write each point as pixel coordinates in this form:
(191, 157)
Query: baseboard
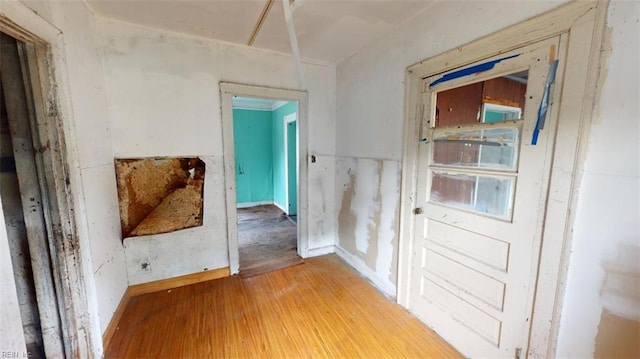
(115, 319)
(175, 282)
(359, 265)
(320, 251)
(281, 207)
(156, 286)
(253, 204)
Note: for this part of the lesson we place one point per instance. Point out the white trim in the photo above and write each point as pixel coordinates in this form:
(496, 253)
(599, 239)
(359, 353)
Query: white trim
(320, 251)
(585, 21)
(79, 309)
(250, 103)
(251, 108)
(486, 106)
(278, 104)
(292, 117)
(227, 90)
(253, 204)
(359, 265)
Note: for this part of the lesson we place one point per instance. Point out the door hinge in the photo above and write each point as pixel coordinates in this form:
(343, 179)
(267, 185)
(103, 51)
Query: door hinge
(518, 353)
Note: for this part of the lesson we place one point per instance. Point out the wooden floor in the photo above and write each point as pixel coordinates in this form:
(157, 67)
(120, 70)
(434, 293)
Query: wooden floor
(321, 308)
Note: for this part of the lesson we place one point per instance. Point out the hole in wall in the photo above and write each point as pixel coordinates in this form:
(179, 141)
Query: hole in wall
(159, 195)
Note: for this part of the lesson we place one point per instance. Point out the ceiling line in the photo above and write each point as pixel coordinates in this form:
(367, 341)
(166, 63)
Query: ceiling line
(261, 19)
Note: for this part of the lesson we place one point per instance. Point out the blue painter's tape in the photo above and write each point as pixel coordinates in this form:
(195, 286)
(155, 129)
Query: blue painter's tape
(485, 66)
(544, 104)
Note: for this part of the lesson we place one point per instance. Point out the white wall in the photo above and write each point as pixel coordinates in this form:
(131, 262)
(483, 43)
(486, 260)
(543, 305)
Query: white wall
(89, 129)
(604, 268)
(80, 78)
(164, 100)
(369, 122)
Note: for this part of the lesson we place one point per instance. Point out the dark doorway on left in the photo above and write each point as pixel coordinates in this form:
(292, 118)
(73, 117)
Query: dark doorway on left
(22, 205)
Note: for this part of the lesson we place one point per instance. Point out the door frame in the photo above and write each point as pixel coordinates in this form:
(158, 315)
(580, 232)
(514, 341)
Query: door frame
(584, 22)
(57, 161)
(227, 91)
(286, 120)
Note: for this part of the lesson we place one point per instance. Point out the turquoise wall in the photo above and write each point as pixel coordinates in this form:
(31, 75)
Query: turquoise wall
(252, 135)
(279, 180)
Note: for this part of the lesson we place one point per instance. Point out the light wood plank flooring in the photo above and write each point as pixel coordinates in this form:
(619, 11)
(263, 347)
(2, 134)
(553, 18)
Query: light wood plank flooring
(321, 308)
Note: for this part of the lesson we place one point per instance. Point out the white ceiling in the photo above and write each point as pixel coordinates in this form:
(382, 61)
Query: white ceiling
(327, 30)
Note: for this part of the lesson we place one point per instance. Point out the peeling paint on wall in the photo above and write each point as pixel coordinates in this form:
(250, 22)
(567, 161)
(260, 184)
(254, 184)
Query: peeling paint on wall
(159, 195)
(617, 337)
(365, 202)
(368, 195)
(619, 327)
(389, 200)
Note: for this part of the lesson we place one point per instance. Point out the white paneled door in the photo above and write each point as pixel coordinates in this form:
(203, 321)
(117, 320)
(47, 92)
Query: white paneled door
(483, 173)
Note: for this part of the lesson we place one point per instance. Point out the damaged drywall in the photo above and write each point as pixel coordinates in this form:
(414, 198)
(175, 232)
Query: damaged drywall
(190, 250)
(322, 227)
(368, 193)
(601, 304)
(619, 328)
(617, 337)
(159, 195)
(170, 84)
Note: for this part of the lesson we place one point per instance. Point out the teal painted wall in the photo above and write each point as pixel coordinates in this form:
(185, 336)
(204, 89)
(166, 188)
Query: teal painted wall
(252, 135)
(292, 166)
(279, 180)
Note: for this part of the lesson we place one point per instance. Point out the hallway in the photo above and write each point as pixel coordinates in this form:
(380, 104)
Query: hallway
(267, 240)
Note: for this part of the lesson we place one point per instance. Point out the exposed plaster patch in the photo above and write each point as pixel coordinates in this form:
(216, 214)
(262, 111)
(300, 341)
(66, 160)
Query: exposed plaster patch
(617, 337)
(389, 200)
(620, 294)
(345, 220)
(368, 215)
(363, 205)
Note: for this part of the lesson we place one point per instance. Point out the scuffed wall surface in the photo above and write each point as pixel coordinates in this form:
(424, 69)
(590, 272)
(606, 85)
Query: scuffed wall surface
(602, 295)
(369, 118)
(155, 77)
(368, 199)
(89, 130)
(322, 224)
(80, 84)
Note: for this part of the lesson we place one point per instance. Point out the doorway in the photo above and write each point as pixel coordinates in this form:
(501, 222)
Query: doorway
(266, 171)
(275, 198)
(482, 176)
(22, 205)
(463, 237)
